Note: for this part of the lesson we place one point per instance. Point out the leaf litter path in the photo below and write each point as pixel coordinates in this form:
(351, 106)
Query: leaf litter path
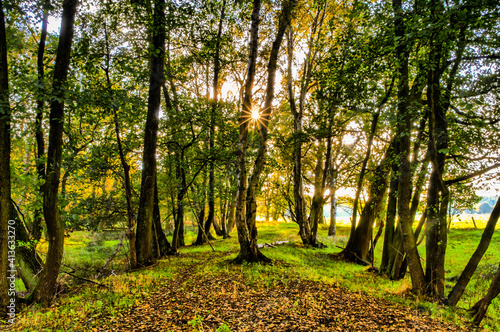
(193, 302)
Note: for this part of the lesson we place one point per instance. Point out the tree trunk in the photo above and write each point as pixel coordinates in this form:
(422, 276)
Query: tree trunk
(163, 247)
(211, 180)
(357, 250)
(201, 237)
(298, 191)
(320, 174)
(156, 80)
(36, 229)
(125, 166)
(479, 309)
(5, 149)
(359, 185)
(332, 230)
(247, 252)
(44, 292)
(470, 268)
(404, 136)
(246, 220)
(178, 237)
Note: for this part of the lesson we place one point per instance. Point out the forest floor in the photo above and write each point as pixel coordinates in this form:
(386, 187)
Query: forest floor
(232, 302)
(303, 289)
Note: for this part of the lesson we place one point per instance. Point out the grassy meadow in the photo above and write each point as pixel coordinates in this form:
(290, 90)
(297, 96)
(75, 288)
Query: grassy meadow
(81, 303)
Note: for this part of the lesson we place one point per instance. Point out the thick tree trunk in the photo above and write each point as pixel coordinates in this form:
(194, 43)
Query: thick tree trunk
(470, 268)
(247, 252)
(404, 136)
(332, 229)
(5, 149)
(162, 245)
(357, 250)
(318, 201)
(437, 194)
(44, 292)
(156, 79)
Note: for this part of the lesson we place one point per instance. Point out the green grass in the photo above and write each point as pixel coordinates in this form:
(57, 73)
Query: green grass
(87, 252)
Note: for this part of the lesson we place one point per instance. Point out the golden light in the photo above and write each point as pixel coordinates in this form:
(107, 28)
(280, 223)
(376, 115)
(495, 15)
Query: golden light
(255, 115)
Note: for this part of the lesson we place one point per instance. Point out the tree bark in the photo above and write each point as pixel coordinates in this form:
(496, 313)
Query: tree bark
(404, 136)
(246, 219)
(156, 80)
(247, 252)
(36, 228)
(44, 292)
(125, 166)
(470, 268)
(211, 165)
(357, 250)
(359, 185)
(298, 191)
(163, 247)
(5, 177)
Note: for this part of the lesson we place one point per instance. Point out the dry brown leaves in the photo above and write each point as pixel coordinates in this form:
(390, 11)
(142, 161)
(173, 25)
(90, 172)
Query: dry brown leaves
(297, 305)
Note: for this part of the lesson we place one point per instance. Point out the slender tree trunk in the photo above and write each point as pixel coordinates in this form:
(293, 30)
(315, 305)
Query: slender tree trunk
(156, 80)
(390, 221)
(298, 192)
(125, 166)
(479, 309)
(36, 229)
(44, 292)
(246, 220)
(5, 149)
(359, 186)
(201, 238)
(470, 268)
(178, 237)
(332, 230)
(318, 201)
(211, 181)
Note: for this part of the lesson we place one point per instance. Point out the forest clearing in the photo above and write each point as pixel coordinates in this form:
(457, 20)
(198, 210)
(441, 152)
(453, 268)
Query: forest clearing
(304, 289)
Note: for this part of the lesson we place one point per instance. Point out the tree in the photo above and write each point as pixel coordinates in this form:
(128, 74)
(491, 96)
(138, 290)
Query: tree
(144, 234)
(404, 116)
(40, 105)
(55, 228)
(246, 203)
